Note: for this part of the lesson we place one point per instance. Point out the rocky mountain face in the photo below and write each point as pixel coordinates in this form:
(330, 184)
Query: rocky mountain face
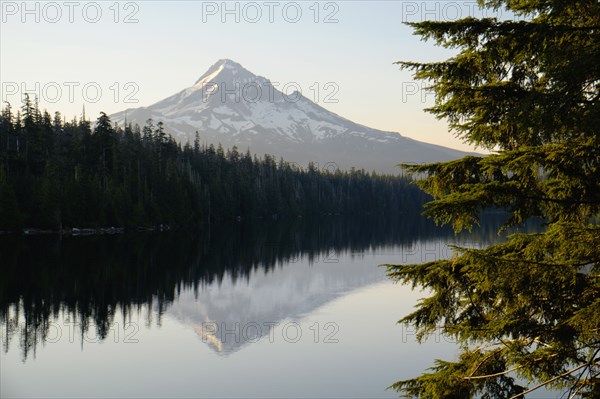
(232, 106)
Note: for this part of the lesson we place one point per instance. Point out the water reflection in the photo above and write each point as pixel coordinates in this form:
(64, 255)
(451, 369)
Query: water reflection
(231, 313)
(215, 280)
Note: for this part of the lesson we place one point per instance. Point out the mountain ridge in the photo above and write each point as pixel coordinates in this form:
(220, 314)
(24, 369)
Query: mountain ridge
(230, 105)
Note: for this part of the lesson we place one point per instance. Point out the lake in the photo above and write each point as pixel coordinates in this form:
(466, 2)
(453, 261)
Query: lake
(250, 309)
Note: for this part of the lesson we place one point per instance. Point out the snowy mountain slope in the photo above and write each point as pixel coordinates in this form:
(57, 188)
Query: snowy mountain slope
(232, 106)
(266, 299)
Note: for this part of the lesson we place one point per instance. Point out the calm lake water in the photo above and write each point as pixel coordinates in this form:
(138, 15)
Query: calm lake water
(261, 309)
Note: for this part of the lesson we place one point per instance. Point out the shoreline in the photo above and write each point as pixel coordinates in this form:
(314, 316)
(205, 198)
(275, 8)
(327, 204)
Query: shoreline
(86, 231)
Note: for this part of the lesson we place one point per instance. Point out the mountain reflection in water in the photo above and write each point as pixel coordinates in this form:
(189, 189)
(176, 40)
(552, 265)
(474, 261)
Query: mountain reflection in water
(219, 279)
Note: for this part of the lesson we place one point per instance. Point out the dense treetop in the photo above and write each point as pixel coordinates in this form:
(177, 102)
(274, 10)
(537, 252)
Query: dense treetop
(57, 174)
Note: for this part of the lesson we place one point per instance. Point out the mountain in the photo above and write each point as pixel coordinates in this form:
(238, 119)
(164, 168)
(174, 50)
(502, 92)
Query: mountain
(230, 105)
(231, 313)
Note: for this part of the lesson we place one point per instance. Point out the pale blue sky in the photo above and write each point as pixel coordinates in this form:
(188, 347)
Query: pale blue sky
(173, 43)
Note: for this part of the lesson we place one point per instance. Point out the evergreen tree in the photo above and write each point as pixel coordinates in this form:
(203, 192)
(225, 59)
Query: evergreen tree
(527, 309)
(104, 142)
(117, 176)
(197, 143)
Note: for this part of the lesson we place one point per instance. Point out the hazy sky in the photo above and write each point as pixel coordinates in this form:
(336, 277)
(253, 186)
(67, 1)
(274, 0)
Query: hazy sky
(114, 55)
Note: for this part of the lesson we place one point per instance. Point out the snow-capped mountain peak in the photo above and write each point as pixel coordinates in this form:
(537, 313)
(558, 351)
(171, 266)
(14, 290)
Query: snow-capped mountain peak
(230, 105)
(219, 72)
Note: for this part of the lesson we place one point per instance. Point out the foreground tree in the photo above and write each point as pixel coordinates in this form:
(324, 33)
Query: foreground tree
(526, 312)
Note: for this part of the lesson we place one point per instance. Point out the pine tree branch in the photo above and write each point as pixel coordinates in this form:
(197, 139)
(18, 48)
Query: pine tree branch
(589, 367)
(522, 394)
(576, 392)
(561, 201)
(489, 355)
(478, 377)
(532, 262)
